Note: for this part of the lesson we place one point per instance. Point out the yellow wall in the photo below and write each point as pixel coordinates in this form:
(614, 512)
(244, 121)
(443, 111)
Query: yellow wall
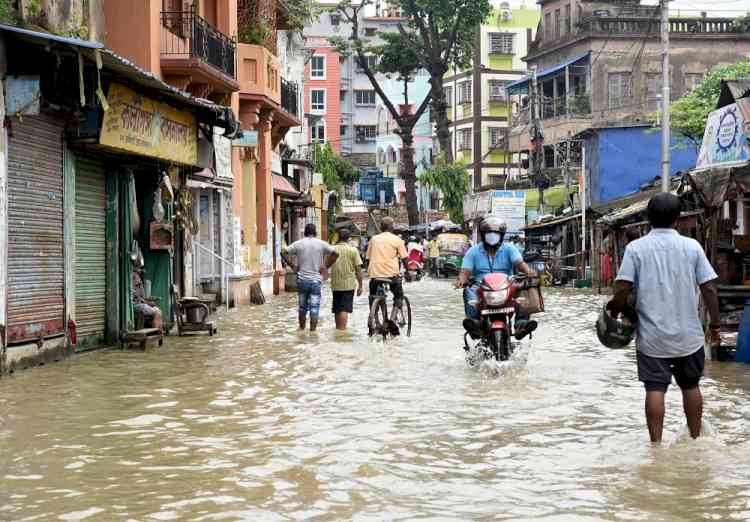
(498, 157)
(501, 61)
(498, 109)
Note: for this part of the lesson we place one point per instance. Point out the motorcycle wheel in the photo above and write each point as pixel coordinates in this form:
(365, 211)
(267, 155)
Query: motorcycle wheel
(500, 344)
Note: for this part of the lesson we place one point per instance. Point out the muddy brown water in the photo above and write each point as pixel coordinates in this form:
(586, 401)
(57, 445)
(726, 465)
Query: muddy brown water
(264, 423)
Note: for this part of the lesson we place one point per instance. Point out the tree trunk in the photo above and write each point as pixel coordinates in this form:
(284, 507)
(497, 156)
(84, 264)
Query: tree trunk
(409, 174)
(440, 109)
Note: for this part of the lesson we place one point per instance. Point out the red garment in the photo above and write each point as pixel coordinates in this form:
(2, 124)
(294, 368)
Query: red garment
(607, 270)
(416, 255)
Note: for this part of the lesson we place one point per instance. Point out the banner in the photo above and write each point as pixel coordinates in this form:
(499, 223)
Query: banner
(137, 124)
(724, 140)
(510, 205)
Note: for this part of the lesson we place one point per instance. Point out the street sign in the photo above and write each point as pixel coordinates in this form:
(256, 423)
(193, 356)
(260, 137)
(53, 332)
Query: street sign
(249, 138)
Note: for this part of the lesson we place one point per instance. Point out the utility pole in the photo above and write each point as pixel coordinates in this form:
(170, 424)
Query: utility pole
(665, 134)
(537, 140)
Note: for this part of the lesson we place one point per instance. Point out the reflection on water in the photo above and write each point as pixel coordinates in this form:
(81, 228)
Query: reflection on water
(266, 423)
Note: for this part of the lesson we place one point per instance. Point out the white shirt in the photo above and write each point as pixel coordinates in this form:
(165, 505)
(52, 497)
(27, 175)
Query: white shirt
(666, 269)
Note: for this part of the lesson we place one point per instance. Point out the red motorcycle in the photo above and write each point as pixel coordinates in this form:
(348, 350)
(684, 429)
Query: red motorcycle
(498, 298)
(414, 266)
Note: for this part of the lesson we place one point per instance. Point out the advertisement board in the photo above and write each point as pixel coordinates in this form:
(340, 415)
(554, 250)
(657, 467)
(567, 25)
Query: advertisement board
(137, 124)
(724, 140)
(510, 205)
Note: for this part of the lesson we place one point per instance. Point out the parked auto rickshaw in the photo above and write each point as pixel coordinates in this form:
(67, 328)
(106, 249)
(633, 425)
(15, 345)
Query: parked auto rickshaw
(451, 249)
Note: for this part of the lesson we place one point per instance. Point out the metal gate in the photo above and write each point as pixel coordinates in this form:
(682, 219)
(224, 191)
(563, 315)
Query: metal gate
(91, 253)
(36, 268)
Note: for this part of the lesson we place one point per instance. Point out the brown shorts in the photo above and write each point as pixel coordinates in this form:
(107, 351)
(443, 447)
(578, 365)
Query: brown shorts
(656, 373)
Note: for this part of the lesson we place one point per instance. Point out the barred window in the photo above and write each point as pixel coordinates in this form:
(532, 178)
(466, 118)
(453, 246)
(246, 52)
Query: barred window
(464, 92)
(497, 90)
(365, 97)
(501, 43)
(365, 133)
(620, 89)
(496, 137)
(464, 139)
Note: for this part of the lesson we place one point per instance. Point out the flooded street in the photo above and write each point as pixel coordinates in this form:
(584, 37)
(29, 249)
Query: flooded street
(264, 423)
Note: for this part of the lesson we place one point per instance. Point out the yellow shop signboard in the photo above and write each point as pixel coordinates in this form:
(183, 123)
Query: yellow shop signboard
(137, 124)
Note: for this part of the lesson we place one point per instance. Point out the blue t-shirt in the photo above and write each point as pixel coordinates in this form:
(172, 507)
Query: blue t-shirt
(480, 263)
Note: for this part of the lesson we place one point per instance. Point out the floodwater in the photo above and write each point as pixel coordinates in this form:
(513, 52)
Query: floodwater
(264, 423)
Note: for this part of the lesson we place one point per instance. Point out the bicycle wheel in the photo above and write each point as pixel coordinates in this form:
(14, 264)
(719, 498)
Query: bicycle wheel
(401, 315)
(378, 317)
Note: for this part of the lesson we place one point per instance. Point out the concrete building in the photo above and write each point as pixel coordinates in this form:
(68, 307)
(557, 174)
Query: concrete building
(235, 198)
(339, 99)
(598, 68)
(478, 105)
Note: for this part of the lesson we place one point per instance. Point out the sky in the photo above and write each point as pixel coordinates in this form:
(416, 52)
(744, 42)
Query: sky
(728, 8)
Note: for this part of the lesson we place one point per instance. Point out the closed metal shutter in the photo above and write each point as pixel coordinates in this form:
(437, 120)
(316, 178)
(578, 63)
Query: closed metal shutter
(36, 301)
(91, 254)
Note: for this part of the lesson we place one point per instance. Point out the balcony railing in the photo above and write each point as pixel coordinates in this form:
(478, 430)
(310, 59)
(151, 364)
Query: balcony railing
(190, 36)
(290, 97)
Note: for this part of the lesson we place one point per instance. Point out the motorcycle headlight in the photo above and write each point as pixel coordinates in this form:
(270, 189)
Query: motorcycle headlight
(496, 298)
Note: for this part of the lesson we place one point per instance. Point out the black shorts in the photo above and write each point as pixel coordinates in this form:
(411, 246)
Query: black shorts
(656, 374)
(343, 301)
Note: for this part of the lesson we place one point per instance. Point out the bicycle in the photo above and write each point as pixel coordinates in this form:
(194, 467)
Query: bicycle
(379, 322)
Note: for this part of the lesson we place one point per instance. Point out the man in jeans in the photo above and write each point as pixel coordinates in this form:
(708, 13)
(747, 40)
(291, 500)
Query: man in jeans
(666, 269)
(314, 258)
(346, 277)
(385, 253)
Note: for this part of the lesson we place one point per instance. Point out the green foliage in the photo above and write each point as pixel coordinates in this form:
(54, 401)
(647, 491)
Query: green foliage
(336, 172)
(300, 13)
(398, 56)
(256, 33)
(453, 181)
(689, 113)
(8, 13)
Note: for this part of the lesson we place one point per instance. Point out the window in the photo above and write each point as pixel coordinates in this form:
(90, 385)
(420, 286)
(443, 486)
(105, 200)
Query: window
(365, 97)
(335, 19)
(557, 24)
(464, 92)
(501, 43)
(496, 137)
(567, 22)
(343, 130)
(342, 95)
(619, 89)
(372, 62)
(653, 90)
(317, 100)
(318, 67)
(318, 132)
(365, 133)
(548, 26)
(449, 95)
(370, 31)
(497, 90)
(464, 139)
(692, 80)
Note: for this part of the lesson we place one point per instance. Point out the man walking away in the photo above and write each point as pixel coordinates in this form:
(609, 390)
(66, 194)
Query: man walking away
(385, 253)
(314, 258)
(346, 276)
(665, 268)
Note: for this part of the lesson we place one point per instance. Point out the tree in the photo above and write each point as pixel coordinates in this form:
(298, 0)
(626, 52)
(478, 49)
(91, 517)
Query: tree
(336, 172)
(443, 34)
(397, 59)
(453, 181)
(689, 113)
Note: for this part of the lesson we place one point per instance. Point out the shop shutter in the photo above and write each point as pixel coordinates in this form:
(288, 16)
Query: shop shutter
(90, 257)
(36, 268)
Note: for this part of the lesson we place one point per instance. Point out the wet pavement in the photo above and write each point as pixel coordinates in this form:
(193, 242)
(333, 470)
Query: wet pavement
(264, 423)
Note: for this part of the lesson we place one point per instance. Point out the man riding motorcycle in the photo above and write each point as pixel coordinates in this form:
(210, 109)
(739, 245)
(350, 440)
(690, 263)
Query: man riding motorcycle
(489, 256)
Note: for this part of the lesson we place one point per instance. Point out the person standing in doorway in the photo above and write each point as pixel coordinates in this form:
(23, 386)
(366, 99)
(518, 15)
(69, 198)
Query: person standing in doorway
(314, 258)
(666, 270)
(346, 277)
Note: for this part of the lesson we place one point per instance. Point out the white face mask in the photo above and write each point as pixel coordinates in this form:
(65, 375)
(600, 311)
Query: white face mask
(492, 238)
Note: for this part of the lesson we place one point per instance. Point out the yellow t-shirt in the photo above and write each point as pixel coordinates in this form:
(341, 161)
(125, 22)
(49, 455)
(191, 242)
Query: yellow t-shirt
(434, 248)
(344, 270)
(385, 252)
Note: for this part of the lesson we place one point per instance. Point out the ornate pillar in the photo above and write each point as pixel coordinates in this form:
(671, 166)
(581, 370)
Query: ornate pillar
(263, 180)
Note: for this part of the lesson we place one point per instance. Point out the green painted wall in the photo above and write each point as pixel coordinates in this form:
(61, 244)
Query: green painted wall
(523, 18)
(498, 109)
(498, 157)
(501, 61)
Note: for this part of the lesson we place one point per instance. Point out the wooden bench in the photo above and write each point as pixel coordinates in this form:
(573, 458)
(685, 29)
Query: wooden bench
(143, 338)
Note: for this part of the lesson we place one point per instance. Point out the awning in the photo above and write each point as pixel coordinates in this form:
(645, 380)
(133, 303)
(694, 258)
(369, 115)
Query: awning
(552, 222)
(282, 185)
(517, 85)
(219, 115)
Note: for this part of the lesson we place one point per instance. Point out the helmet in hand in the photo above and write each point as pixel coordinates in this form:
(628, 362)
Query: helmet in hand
(614, 333)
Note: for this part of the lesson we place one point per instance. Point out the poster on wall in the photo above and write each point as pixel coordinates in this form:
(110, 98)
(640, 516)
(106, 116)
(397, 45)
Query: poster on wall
(510, 205)
(724, 140)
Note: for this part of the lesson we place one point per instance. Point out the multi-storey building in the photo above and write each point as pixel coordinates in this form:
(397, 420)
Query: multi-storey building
(209, 48)
(598, 77)
(340, 101)
(478, 105)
